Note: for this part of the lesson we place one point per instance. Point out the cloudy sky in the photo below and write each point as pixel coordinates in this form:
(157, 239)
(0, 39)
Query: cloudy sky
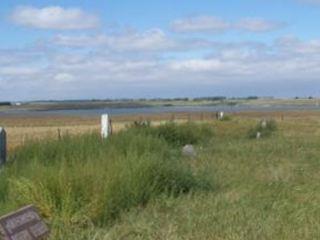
(71, 49)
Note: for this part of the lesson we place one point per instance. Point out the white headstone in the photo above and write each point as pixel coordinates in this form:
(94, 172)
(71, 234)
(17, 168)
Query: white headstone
(3, 146)
(105, 126)
(258, 136)
(220, 115)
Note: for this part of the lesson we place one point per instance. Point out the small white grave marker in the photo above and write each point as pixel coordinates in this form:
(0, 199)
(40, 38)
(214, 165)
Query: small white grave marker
(258, 136)
(220, 115)
(3, 146)
(263, 123)
(106, 127)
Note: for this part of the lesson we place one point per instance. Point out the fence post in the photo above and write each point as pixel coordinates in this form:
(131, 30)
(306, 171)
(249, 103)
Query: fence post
(3, 146)
(59, 134)
(173, 118)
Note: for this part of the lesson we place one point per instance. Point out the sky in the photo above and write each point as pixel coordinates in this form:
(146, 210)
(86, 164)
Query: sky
(76, 49)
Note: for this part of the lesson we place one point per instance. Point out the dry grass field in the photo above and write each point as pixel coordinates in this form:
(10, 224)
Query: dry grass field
(21, 128)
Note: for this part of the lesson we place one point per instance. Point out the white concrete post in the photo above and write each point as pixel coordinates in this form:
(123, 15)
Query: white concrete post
(105, 126)
(3, 146)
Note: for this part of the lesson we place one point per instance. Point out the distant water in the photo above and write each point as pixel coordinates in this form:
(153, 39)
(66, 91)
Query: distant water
(159, 109)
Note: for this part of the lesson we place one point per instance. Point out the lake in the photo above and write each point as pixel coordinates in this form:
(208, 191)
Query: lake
(161, 109)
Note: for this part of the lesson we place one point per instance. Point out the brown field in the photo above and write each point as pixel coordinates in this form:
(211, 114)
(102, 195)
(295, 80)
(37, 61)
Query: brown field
(21, 129)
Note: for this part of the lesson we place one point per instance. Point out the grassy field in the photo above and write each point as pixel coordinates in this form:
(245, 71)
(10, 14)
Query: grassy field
(21, 129)
(136, 185)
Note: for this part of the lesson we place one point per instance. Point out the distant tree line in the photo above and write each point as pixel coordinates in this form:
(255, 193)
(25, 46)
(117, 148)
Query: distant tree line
(5, 103)
(214, 98)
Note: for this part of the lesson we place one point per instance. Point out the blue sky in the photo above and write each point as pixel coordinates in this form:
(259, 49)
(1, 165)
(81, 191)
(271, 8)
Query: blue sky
(113, 49)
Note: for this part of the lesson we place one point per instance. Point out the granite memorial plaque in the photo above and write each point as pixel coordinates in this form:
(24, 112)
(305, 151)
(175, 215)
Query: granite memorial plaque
(24, 224)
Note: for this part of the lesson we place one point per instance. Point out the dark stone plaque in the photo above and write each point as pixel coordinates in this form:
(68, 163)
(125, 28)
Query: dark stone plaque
(24, 224)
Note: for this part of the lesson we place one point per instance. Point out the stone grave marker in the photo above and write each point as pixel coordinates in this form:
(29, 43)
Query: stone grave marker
(220, 115)
(189, 151)
(106, 126)
(24, 224)
(258, 135)
(264, 123)
(3, 146)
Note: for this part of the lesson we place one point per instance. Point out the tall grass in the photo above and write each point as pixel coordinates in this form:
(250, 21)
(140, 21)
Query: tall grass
(262, 189)
(180, 135)
(82, 181)
(265, 127)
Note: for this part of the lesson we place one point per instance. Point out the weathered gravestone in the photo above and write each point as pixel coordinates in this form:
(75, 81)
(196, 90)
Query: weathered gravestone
(106, 126)
(24, 224)
(258, 135)
(3, 146)
(264, 123)
(189, 151)
(219, 115)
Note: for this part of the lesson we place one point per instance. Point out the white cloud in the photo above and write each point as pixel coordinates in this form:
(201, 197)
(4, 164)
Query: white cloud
(292, 45)
(74, 73)
(200, 24)
(215, 24)
(257, 25)
(64, 77)
(151, 40)
(197, 65)
(54, 17)
(18, 71)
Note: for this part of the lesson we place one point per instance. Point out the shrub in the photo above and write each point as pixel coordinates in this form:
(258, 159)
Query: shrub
(226, 118)
(180, 135)
(141, 124)
(265, 127)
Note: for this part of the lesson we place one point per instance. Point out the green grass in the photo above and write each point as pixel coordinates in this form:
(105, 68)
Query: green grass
(83, 181)
(265, 127)
(237, 188)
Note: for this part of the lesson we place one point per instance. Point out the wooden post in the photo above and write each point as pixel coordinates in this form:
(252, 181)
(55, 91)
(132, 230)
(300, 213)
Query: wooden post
(59, 134)
(110, 127)
(3, 146)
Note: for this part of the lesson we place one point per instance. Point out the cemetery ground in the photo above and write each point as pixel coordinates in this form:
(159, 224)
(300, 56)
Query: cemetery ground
(137, 185)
